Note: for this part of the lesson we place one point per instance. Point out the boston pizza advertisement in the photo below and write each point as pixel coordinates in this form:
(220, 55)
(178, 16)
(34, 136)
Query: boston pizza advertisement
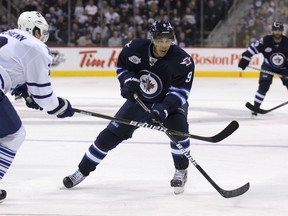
(93, 61)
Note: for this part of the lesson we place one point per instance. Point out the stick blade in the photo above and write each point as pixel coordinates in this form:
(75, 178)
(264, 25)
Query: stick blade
(233, 126)
(255, 109)
(236, 192)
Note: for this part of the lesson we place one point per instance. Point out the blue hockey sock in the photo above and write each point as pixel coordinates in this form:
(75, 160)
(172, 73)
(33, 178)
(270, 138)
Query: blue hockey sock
(91, 159)
(180, 160)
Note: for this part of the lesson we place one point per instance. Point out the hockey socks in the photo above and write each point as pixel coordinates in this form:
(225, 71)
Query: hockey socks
(90, 160)
(6, 157)
(180, 161)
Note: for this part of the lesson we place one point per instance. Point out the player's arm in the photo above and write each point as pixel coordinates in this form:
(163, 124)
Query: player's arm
(179, 89)
(129, 82)
(253, 49)
(39, 86)
(22, 91)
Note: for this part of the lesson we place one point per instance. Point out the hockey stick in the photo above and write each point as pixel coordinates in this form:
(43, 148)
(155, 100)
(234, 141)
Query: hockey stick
(216, 138)
(262, 111)
(225, 193)
(266, 71)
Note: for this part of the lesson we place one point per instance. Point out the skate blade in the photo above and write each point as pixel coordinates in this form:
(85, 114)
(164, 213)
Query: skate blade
(178, 190)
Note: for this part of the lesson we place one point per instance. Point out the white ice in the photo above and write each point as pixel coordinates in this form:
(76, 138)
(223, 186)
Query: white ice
(133, 180)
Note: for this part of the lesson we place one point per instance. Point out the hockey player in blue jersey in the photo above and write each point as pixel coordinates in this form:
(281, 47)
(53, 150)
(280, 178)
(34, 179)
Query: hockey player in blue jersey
(25, 63)
(161, 73)
(274, 48)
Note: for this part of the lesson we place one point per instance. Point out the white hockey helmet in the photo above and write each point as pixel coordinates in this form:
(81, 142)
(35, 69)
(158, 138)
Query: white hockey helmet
(28, 20)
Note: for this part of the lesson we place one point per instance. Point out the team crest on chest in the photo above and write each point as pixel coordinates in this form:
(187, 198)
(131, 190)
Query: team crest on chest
(150, 84)
(278, 60)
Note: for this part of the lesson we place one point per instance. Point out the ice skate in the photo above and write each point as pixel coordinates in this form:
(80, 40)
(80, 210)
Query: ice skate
(74, 179)
(178, 181)
(3, 195)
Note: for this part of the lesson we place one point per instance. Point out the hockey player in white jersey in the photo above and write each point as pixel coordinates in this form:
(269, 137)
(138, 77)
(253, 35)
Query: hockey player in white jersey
(25, 63)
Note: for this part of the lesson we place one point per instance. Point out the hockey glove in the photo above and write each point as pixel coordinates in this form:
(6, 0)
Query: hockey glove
(23, 92)
(244, 62)
(158, 114)
(63, 110)
(131, 86)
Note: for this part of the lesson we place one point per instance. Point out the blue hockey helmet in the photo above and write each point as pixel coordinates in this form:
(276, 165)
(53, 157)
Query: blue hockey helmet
(161, 28)
(277, 26)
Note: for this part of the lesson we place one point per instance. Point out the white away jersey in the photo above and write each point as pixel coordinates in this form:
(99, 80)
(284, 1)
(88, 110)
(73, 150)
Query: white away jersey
(25, 59)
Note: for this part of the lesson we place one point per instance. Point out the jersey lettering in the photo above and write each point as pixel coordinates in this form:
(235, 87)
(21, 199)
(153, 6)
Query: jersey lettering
(15, 35)
(3, 41)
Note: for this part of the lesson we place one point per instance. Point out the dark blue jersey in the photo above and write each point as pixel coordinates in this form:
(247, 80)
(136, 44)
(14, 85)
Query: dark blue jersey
(168, 77)
(275, 54)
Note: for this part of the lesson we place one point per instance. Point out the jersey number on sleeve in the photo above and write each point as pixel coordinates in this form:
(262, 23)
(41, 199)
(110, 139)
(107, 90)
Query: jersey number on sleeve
(189, 76)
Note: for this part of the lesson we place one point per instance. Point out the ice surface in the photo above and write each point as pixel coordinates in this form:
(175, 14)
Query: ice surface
(133, 180)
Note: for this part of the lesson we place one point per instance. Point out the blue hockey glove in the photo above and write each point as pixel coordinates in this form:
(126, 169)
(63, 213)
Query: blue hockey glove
(244, 62)
(158, 114)
(23, 92)
(131, 86)
(63, 110)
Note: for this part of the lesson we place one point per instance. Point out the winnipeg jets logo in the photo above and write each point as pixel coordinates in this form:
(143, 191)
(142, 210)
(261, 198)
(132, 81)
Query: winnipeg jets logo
(135, 59)
(277, 60)
(186, 61)
(150, 84)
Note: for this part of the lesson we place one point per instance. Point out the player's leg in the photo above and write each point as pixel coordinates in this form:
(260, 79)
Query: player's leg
(107, 140)
(178, 121)
(265, 80)
(104, 142)
(12, 135)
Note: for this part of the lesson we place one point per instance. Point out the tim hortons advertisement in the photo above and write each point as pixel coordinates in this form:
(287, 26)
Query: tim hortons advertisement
(93, 61)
